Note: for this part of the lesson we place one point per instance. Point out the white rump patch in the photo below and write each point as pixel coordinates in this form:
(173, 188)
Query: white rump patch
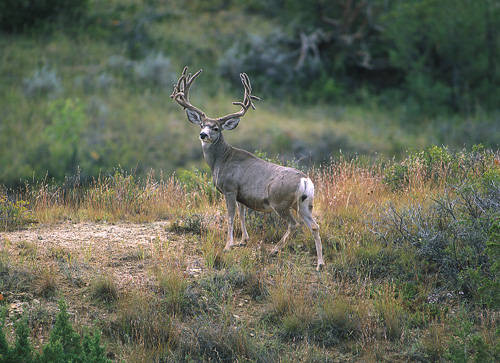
(305, 190)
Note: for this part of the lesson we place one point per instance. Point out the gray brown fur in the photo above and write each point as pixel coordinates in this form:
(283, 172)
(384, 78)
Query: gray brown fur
(246, 180)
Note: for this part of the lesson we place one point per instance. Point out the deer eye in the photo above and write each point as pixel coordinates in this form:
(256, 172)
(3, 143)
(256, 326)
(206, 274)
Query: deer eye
(216, 129)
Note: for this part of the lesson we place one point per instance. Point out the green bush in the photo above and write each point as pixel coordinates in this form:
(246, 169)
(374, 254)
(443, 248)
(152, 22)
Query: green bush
(467, 345)
(198, 183)
(65, 344)
(63, 136)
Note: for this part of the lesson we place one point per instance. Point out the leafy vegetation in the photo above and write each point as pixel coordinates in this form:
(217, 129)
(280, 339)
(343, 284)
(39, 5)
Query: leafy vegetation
(64, 345)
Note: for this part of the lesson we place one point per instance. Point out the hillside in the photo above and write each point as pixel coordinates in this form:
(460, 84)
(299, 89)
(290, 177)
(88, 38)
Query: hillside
(88, 95)
(411, 252)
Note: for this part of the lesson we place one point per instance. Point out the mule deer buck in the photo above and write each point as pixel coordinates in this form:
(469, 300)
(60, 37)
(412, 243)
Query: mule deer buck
(244, 179)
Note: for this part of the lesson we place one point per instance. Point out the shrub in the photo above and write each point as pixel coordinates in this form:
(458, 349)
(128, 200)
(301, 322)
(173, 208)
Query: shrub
(270, 60)
(43, 82)
(13, 214)
(454, 234)
(468, 345)
(65, 345)
(63, 136)
(446, 60)
(155, 70)
(198, 184)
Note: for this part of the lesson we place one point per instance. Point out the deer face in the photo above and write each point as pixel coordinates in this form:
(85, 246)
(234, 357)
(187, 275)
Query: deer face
(211, 130)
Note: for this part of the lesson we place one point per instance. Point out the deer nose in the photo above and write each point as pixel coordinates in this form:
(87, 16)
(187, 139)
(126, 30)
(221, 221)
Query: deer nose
(203, 135)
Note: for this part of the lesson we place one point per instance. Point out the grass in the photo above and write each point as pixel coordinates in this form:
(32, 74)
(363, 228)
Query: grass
(104, 289)
(175, 295)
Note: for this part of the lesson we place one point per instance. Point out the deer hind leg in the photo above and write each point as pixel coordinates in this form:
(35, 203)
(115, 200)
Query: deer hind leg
(231, 210)
(244, 234)
(292, 225)
(305, 212)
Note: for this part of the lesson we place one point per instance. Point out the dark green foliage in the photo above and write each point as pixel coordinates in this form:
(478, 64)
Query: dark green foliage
(23, 350)
(65, 345)
(436, 55)
(270, 61)
(17, 16)
(447, 51)
(468, 345)
(4, 345)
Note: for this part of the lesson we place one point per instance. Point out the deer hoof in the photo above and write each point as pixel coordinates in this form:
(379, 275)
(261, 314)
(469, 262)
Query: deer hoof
(320, 266)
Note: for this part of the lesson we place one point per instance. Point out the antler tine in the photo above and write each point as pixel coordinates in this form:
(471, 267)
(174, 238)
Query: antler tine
(247, 99)
(189, 81)
(181, 90)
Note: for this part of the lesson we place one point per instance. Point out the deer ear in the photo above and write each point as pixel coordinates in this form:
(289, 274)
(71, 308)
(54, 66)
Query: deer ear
(231, 123)
(193, 116)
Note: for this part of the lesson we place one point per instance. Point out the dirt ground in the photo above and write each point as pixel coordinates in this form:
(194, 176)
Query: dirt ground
(76, 254)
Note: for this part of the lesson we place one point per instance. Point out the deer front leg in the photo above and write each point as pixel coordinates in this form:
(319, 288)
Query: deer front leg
(244, 234)
(231, 210)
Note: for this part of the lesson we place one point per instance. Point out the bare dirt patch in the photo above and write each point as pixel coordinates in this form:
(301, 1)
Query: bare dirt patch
(74, 255)
(123, 249)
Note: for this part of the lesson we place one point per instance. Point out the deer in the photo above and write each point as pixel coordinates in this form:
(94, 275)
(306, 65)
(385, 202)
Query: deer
(245, 180)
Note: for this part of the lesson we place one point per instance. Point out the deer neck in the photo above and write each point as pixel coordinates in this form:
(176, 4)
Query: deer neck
(215, 153)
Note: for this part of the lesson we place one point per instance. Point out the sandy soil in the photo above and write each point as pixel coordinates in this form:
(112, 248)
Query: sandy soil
(78, 253)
